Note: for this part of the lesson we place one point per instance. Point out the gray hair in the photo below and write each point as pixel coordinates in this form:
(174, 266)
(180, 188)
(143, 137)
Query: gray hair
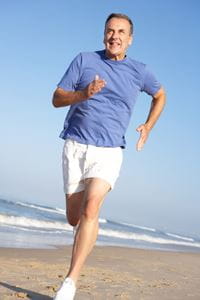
(121, 16)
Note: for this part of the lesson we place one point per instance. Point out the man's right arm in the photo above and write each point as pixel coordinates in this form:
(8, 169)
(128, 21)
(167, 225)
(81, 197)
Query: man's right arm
(63, 98)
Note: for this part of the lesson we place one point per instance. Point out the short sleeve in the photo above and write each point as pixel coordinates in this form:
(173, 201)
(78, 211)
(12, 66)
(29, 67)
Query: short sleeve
(71, 77)
(150, 85)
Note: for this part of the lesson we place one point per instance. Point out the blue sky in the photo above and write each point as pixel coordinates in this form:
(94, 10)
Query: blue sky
(159, 186)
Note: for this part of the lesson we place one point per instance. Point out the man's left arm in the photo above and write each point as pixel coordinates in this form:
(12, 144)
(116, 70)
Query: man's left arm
(157, 105)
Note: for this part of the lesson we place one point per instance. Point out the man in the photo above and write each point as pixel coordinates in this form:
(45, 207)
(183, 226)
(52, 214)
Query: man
(101, 88)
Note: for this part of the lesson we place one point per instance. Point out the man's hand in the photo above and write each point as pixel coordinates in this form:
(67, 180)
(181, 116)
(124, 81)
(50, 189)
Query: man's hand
(144, 133)
(94, 87)
(157, 106)
(64, 98)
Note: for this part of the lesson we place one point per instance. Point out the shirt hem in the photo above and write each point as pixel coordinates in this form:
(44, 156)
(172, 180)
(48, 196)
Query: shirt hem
(89, 142)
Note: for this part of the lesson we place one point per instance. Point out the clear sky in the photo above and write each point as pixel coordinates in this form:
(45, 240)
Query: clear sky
(159, 186)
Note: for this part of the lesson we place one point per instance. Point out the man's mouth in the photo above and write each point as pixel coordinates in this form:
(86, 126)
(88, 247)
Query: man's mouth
(114, 43)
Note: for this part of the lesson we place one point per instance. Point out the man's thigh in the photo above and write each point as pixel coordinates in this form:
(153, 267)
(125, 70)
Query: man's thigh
(89, 200)
(102, 163)
(95, 188)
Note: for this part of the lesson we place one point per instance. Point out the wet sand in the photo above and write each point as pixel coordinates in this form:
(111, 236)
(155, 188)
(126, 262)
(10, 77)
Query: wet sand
(109, 273)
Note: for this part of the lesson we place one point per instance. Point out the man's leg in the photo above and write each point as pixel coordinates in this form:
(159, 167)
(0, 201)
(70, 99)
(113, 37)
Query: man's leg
(73, 212)
(74, 204)
(86, 235)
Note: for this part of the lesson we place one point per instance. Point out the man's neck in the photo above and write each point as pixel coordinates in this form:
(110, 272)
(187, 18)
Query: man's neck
(115, 57)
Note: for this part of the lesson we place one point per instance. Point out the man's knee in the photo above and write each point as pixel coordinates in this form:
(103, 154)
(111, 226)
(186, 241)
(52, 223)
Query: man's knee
(91, 208)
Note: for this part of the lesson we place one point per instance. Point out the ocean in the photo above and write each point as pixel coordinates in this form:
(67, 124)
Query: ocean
(28, 225)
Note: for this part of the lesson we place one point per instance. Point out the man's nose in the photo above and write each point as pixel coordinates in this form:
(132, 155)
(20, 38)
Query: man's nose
(115, 35)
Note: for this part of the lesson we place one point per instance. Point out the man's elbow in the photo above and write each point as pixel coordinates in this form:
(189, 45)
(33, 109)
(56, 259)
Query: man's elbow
(160, 95)
(54, 103)
(61, 98)
(56, 100)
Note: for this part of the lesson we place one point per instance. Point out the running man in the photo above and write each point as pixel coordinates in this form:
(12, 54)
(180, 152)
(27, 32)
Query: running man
(101, 88)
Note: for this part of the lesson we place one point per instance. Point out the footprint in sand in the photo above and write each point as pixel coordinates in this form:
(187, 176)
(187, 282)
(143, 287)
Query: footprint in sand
(51, 288)
(22, 295)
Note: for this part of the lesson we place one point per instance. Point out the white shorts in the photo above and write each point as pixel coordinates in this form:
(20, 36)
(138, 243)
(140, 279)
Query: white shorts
(82, 161)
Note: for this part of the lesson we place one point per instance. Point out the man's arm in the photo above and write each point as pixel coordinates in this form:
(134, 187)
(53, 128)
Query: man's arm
(157, 105)
(64, 98)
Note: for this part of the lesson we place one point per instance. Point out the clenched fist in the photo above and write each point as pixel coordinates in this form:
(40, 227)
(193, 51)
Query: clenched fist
(94, 87)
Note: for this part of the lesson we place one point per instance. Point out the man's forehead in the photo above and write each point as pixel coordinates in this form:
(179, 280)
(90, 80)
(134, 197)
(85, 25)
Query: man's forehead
(118, 22)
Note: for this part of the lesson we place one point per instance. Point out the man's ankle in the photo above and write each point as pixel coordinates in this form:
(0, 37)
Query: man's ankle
(73, 278)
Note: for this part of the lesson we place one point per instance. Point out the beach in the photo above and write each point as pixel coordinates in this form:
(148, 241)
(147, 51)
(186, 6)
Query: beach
(109, 273)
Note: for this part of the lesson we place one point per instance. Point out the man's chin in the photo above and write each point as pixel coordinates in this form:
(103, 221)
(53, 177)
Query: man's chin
(112, 53)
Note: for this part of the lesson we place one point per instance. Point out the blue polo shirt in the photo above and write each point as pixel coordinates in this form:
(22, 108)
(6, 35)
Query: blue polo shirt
(102, 120)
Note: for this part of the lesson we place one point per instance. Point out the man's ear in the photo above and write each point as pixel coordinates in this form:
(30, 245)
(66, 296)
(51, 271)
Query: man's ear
(130, 40)
(104, 38)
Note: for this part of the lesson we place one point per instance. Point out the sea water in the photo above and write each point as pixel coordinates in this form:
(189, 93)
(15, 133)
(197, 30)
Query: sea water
(28, 225)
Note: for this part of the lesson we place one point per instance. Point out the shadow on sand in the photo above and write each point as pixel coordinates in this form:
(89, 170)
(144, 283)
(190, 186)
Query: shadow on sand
(28, 293)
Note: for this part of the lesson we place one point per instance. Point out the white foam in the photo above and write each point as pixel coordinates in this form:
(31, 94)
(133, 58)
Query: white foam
(54, 210)
(31, 224)
(145, 238)
(180, 237)
(61, 211)
(140, 227)
(103, 221)
(27, 222)
(28, 229)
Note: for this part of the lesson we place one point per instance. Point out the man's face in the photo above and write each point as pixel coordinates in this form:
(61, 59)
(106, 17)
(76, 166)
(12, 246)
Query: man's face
(117, 38)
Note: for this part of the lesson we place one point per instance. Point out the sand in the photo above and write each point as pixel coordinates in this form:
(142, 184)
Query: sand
(109, 273)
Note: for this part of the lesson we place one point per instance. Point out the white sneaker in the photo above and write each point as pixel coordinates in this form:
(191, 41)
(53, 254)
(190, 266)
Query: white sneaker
(66, 291)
